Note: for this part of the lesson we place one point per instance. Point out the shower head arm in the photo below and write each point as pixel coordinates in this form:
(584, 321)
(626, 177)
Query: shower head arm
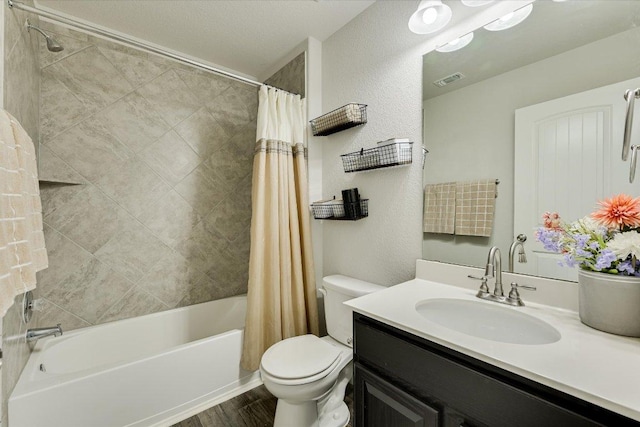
(33, 27)
(52, 44)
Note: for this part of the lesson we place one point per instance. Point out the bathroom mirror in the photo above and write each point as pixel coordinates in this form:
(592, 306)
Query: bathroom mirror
(572, 56)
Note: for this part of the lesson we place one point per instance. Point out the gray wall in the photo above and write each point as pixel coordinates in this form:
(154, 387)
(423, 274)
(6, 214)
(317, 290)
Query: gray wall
(291, 77)
(470, 132)
(163, 155)
(21, 87)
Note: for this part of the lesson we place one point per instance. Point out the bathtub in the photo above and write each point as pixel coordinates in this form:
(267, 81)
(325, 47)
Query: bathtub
(153, 370)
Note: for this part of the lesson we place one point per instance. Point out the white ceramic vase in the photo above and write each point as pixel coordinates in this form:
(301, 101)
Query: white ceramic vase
(609, 302)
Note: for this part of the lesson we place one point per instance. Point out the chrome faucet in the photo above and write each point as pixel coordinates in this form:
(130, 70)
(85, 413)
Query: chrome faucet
(494, 266)
(37, 333)
(522, 256)
(494, 269)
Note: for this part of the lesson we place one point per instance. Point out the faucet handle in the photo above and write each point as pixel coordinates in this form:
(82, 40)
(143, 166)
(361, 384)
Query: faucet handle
(484, 289)
(515, 286)
(514, 295)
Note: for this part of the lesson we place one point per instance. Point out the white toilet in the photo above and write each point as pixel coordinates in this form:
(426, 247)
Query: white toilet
(308, 374)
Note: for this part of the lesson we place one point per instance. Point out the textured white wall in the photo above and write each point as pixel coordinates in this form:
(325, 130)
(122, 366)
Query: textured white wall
(375, 60)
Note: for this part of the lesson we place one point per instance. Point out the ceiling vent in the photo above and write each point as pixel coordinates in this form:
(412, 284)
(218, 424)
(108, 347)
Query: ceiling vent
(449, 79)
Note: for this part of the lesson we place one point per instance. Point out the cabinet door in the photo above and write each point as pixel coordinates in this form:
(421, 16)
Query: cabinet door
(380, 404)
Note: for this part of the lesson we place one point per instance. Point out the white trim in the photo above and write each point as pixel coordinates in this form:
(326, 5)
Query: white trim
(2, 17)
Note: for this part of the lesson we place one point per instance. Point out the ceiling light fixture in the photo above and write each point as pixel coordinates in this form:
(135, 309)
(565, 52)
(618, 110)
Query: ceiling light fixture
(456, 44)
(510, 19)
(476, 3)
(431, 16)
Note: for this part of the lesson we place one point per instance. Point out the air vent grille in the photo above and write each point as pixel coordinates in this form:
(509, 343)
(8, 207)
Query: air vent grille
(449, 79)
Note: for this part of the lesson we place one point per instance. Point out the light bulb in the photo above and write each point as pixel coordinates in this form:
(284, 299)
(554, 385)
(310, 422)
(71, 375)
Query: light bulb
(456, 44)
(510, 19)
(507, 17)
(475, 3)
(429, 16)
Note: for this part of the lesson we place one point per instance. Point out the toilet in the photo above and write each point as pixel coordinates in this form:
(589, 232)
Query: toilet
(308, 374)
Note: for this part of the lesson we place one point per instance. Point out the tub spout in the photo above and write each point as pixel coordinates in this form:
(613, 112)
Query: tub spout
(37, 333)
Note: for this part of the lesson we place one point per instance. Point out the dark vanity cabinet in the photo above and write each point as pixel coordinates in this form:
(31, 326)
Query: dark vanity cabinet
(403, 380)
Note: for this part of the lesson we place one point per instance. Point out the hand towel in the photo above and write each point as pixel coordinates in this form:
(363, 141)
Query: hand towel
(22, 248)
(439, 208)
(475, 207)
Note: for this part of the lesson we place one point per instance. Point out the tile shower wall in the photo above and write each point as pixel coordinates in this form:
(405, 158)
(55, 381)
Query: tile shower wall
(291, 77)
(21, 87)
(162, 155)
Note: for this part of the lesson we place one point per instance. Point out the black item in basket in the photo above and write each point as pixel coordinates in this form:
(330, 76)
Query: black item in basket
(352, 210)
(350, 195)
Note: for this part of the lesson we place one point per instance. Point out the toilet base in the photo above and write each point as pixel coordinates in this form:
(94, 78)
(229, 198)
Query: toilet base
(296, 414)
(328, 411)
(333, 412)
(305, 414)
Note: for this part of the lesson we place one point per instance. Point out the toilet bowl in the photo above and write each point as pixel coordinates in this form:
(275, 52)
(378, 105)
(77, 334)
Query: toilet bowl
(308, 374)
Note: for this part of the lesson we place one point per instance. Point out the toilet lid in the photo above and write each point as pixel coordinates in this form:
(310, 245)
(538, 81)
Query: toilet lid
(299, 357)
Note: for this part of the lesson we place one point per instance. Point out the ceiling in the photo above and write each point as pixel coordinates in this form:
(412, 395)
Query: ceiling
(245, 36)
(552, 28)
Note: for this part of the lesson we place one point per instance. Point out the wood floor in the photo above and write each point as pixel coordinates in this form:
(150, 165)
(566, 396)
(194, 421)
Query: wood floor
(255, 408)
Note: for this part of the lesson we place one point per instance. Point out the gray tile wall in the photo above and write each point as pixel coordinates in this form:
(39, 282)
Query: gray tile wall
(21, 87)
(291, 77)
(163, 154)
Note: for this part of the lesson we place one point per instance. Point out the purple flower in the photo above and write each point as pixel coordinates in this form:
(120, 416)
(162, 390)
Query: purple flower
(626, 267)
(549, 239)
(605, 259)
(594, 246)
(581, 240)
(569, 261)
(582, 253)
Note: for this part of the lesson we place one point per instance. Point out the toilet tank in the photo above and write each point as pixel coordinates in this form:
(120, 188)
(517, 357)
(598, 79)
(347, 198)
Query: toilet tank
(338, 289)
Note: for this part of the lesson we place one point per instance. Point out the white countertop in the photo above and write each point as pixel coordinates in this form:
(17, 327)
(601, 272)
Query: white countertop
(600, 368)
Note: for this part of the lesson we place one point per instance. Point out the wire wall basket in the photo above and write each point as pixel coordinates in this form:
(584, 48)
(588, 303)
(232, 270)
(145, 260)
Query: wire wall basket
(394, 154)
(339, 210)
(342, 118)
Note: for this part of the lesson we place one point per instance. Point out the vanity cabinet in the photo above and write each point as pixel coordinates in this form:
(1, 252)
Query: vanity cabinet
(404, 380)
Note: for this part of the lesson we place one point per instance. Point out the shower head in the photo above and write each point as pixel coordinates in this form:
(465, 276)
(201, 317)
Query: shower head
(52, 44)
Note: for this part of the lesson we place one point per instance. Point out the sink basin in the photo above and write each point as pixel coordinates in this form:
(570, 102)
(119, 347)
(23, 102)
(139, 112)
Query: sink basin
(488, 321)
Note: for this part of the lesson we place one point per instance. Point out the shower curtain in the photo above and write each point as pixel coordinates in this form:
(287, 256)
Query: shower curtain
(281, 297)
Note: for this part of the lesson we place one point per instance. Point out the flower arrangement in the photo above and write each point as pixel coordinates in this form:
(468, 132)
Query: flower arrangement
(607, 241)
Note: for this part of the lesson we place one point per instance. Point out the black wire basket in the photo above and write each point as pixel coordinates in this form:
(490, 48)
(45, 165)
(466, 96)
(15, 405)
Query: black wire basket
(339, 210)
(342, 118)
(394, 154)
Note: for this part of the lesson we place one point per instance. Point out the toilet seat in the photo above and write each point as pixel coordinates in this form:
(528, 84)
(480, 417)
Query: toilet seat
(300, 360)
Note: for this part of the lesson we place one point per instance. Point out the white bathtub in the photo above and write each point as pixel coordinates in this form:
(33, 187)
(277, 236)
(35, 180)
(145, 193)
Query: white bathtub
(152, 370)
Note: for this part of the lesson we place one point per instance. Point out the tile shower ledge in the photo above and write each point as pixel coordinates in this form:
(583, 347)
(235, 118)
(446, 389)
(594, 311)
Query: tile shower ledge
(600, 368)
(54, 181)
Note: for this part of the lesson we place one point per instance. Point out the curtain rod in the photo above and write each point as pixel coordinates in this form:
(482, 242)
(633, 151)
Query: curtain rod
(130, 42)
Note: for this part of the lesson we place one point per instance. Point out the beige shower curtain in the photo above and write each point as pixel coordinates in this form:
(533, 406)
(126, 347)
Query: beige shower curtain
(281, 299)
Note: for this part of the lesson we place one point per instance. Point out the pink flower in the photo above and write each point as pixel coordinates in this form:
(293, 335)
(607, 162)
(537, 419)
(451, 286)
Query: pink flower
(551, 220)
(618, 212)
